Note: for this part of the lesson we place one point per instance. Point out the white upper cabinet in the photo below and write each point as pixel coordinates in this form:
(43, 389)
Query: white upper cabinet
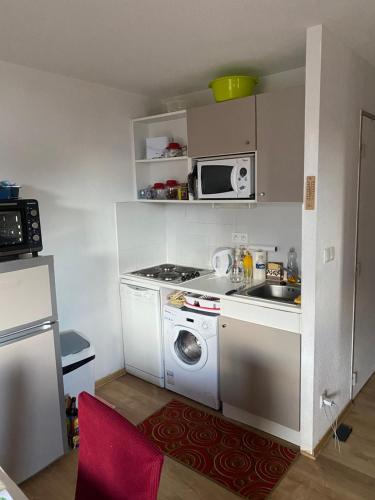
(222, 129)
(280, 145)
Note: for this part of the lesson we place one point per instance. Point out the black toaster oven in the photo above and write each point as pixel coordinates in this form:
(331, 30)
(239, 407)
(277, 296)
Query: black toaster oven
(19, 227)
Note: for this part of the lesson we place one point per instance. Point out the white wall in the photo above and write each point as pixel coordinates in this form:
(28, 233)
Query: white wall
(338, 85)
(141, 234)
(194, 232)
(67, 143)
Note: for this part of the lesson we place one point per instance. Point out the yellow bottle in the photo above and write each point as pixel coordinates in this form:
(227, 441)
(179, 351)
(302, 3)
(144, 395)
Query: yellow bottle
(247, 265)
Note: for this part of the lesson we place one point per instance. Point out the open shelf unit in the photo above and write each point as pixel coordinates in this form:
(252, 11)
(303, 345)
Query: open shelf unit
(149, 171)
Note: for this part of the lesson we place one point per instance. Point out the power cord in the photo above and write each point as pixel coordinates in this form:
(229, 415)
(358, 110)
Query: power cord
(333, 423)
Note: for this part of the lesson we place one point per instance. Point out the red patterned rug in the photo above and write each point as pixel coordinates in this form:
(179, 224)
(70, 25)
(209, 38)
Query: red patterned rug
(240, 460)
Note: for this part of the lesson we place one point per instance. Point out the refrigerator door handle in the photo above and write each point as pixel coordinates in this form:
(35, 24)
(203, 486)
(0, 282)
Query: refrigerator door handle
(27, 332)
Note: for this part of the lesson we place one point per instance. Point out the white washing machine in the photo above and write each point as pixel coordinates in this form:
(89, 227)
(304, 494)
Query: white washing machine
(191, 354)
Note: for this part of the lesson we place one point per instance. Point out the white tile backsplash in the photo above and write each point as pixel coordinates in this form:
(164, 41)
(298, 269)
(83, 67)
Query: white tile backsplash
(150, 234)
(194, 233)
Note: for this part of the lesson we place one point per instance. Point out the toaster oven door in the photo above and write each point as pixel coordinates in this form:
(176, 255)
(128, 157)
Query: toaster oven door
(12, 233)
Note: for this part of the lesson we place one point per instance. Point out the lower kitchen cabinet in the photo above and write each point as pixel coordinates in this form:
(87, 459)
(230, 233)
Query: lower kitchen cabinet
(260, 370)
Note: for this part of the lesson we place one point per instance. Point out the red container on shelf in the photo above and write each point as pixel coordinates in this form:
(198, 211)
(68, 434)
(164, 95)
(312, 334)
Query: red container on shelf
(174, 149)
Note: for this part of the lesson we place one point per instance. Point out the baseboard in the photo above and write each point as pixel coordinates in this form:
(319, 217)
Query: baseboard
(318, 448)
(308, 455)
(109, 378)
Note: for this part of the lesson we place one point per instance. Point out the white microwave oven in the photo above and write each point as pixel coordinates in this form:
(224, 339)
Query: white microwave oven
(226, 178)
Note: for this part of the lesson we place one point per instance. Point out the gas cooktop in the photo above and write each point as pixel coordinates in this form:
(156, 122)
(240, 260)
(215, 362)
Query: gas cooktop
(171, 273)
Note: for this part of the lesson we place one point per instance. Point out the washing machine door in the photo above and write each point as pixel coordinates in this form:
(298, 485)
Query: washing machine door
(188, 348)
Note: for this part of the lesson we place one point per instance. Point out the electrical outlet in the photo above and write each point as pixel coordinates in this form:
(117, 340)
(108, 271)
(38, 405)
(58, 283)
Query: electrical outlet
(239, 238)
(323, 396)
(325, 400)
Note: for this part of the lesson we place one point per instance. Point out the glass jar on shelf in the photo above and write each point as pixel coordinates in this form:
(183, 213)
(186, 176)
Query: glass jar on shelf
(173, 149)
(159, 191)
(171, 189)
(146, 193)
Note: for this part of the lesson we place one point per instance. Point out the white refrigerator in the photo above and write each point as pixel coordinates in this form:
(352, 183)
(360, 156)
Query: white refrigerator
(32, 414)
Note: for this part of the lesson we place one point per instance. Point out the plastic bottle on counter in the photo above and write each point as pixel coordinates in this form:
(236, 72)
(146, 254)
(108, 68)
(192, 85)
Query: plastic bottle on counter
(247, 265)
(292, 266)
(259, 265)
(237, 272)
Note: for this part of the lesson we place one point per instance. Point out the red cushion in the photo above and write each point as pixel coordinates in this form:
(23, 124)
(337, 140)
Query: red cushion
(116, 462)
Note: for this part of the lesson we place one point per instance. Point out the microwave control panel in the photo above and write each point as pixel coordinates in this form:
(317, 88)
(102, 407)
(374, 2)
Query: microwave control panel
(243, 172)
(33, 232)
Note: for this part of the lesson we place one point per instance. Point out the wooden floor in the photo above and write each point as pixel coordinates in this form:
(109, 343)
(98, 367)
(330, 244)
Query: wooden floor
(346, 476)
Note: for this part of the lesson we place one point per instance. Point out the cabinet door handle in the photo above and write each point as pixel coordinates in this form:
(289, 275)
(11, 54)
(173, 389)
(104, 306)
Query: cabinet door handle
(262, 194)
(247, 142)
(224, 325)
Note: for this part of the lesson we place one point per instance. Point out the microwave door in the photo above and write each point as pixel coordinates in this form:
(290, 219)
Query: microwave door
(216, 181)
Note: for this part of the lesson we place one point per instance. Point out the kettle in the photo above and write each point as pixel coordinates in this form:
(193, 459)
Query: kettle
(222, 260)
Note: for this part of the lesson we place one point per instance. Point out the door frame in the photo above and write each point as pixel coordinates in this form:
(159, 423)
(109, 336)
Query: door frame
(363, 114)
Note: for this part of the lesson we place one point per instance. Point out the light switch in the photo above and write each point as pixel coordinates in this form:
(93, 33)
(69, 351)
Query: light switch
(328, 254)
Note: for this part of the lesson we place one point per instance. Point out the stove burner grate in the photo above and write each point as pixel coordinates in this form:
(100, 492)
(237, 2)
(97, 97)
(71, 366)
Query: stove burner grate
(169, 276)
(166, 268)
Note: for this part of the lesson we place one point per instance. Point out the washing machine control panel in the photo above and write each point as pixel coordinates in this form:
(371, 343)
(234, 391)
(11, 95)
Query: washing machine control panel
(206, 324)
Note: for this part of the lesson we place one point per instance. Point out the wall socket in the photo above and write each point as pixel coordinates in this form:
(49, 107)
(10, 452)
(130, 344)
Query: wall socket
(239, 238)
(325, 400)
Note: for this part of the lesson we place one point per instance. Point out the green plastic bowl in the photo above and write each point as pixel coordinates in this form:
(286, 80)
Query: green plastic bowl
(233, 87)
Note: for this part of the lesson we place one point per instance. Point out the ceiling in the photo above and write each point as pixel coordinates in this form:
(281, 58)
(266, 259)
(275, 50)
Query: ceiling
(169, 47)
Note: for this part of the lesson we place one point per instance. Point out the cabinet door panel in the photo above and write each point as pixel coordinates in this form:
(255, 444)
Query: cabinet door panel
(280, 145)
(222, 128)
(260, 370)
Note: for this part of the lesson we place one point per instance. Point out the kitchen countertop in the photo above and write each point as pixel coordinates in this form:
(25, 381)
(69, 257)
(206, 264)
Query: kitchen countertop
(217, 286)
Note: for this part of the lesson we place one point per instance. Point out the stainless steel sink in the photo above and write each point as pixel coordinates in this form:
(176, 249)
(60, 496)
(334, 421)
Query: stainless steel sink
(274, 291)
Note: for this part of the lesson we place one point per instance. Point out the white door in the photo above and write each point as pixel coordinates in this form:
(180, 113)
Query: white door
(142, 330)
(364, 315)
